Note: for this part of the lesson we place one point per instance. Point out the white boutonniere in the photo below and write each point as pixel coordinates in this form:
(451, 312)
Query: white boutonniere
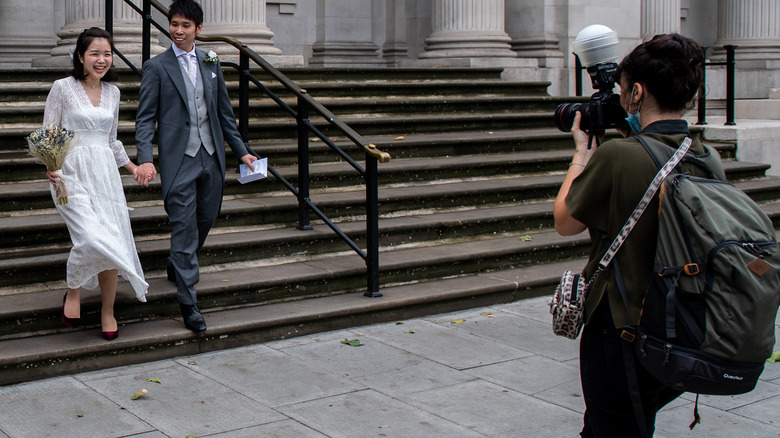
(211, 57)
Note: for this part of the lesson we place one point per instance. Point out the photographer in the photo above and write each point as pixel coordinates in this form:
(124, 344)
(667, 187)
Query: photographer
(658, 81)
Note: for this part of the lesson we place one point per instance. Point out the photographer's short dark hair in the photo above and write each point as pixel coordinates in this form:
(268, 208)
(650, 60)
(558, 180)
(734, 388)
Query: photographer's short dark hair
(188, 9)
(82, 44)
(669, 66)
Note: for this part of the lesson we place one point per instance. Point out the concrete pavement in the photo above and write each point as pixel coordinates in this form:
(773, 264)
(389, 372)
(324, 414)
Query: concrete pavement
(496, 371)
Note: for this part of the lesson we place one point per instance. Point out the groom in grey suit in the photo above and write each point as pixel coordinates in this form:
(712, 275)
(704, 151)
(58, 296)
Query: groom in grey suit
(184, 95)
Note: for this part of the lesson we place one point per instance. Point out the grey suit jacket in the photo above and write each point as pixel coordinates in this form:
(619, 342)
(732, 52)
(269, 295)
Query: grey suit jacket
(162, 101)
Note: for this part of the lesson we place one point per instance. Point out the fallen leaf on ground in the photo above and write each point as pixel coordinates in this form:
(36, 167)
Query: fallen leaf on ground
(775, 357)
(154, 379)
(487, 314)
(192, 362)
(411, 331)
(526, 238)
(139, 394)
(400, 137)
(458, 321)
(399, 323)
(352, 342)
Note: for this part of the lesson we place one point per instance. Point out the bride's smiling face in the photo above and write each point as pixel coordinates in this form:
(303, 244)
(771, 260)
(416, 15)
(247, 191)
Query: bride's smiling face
(97, 58)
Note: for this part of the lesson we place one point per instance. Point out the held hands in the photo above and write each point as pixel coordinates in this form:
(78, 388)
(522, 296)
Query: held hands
(144, 173)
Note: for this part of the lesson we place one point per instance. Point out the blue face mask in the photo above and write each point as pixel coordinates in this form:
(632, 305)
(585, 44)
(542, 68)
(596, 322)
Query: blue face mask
(634, 122)
(633, 118)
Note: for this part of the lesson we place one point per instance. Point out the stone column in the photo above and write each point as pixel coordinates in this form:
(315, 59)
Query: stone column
(345, 35)
(531, 25)
(753, 25)
(82, 14)
(660, 16)
(244, 20)
(395, 47)
(27, 30)
(468, 29)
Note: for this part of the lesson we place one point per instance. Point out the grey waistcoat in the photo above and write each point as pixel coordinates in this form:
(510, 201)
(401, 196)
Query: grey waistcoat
(200, 128)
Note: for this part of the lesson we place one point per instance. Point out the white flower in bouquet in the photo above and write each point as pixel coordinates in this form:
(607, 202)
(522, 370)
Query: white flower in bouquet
(51, 145)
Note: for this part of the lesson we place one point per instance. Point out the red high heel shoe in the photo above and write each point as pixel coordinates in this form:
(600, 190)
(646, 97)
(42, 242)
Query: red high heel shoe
(110, 336)
(70, 322)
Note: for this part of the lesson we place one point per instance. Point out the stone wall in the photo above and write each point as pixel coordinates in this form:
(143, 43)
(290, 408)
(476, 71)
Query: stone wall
(531, 39)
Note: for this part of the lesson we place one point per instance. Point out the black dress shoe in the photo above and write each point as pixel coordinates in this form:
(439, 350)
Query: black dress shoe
(171, 272)
(193, 320)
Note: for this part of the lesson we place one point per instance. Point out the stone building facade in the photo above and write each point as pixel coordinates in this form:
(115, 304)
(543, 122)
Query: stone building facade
(531, 39)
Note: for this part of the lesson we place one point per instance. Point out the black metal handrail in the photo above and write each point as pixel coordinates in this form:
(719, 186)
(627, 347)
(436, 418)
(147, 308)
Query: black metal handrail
(731, 67)
(305, 102)
(730, 64)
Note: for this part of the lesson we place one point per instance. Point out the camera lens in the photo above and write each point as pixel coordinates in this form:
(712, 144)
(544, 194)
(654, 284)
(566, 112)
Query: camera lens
(564, 116)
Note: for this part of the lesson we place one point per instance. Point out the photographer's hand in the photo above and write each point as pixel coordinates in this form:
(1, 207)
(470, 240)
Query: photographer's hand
(565, 224)
(581, 142)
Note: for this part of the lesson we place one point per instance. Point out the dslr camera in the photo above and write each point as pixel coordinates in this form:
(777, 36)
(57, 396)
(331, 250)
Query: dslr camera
(596, 46)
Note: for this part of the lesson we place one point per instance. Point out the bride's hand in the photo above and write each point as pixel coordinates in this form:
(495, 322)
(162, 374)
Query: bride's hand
(53, 177)
(144, 174)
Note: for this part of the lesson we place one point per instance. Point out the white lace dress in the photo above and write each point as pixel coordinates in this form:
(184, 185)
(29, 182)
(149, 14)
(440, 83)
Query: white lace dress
(96, 214)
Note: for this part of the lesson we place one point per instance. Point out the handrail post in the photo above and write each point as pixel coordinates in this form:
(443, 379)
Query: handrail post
(146, 45)
(372, 227)
(110, 16)
(303, 164)
(731, 63)
(577, 76)
(702, 103)
(243, 98)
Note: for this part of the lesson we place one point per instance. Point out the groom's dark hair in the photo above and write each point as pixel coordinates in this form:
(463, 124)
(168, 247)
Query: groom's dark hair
(188, 9)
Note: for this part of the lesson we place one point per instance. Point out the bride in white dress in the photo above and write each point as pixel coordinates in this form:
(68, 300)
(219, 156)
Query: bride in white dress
(96, 214)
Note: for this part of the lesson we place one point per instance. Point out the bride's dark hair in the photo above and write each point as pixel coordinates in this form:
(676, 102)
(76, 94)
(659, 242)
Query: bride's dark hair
(82, 44)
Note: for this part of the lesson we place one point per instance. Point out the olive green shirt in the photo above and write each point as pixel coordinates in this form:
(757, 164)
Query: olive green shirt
(605, 195)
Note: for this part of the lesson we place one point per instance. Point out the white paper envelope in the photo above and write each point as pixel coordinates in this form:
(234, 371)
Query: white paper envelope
(260, 172)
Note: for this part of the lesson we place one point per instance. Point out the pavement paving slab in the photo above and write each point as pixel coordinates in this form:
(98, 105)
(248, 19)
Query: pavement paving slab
(369, 413)
(62, 408)
(457, 349)
(494, 410)
(272, 377)
(185, 402)
(496, 371)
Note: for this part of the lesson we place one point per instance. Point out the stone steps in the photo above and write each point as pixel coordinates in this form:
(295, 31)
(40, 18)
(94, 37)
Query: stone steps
(58, 353)
(465, 219)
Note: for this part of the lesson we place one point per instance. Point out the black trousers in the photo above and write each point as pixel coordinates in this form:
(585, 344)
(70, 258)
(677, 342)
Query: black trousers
(608, 409)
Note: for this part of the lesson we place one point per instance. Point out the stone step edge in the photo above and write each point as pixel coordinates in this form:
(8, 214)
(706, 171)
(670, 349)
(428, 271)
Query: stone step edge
(78, 351)
(240, 277)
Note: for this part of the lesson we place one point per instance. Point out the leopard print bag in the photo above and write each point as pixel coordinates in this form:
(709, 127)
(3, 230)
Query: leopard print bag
(567, 305)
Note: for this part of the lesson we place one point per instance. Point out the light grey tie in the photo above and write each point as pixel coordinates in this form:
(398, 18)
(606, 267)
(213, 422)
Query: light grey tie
(191, 69)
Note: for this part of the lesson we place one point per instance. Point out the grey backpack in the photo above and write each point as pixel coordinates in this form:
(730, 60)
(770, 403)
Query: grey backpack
(708, 319)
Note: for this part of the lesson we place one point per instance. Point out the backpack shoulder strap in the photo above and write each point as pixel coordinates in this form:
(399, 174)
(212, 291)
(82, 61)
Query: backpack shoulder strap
(657, 182)
(709, 161)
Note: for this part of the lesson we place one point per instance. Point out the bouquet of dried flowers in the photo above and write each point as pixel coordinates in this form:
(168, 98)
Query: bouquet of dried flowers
(51, 145)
